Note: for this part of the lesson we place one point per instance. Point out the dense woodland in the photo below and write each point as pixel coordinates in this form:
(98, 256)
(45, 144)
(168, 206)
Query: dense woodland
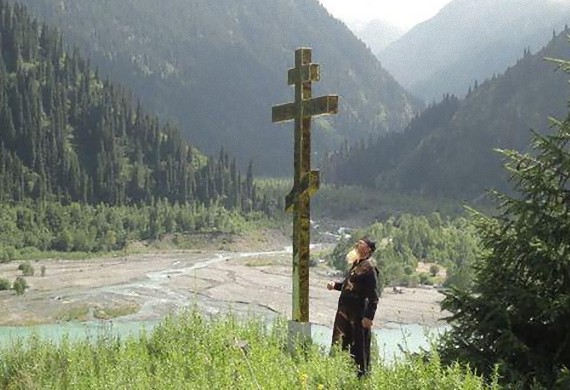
(67, 135)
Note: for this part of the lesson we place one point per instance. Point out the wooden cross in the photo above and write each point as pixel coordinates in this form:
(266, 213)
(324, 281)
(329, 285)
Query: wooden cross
(306, 182)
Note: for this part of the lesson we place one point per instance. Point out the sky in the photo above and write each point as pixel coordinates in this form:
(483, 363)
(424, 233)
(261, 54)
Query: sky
(401, 13)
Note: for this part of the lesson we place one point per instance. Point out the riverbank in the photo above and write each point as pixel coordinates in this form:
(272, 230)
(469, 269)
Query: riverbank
(149, 286)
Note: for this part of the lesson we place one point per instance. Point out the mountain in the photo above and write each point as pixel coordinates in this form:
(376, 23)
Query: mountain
(67, 135)
(471, 40)
(377, 34)
(216, 67)
(447, 150)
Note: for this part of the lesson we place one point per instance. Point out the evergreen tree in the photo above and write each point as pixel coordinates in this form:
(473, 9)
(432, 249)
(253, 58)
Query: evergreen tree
(68, 136)
(516, 317)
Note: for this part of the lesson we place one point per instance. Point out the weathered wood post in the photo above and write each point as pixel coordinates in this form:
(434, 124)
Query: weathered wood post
(305, 182)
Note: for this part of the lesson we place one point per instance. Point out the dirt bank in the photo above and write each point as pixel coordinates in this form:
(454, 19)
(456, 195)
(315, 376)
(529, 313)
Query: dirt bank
(151, 285)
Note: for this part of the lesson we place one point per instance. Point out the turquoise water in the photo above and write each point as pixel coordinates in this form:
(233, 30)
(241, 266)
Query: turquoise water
(73, 330)
(392, 340)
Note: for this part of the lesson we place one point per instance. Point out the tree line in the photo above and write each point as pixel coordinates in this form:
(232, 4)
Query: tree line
(28, 229)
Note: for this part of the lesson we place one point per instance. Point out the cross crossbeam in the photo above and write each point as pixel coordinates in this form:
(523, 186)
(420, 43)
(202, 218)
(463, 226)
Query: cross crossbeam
(309, 183)
(307, 108)
(306, 181)
(304, 73)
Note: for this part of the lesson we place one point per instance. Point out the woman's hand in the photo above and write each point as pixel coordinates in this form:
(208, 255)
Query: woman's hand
(367, 323)
(330, 285)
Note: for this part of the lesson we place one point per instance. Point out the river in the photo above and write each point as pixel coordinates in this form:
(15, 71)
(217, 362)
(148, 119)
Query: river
(246, 283)
(392, 341)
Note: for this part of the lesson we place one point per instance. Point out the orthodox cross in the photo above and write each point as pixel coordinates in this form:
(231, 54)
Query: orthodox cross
(306, 182)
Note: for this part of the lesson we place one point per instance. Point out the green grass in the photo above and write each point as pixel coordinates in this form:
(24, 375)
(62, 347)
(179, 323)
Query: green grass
(259, 262)
(73, 312)
(192, 352)
(115, 311)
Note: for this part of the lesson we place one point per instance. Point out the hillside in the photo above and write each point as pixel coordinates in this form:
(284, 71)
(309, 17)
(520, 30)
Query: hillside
(68, 135)
(216, 68)
(471, 40)
(447, 151)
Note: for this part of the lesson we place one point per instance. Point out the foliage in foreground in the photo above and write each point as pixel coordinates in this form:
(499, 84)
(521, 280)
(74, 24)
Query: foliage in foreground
(192, 352)
(517, 315)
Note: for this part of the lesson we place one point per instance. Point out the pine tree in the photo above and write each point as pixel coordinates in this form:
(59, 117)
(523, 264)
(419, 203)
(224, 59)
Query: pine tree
(517, 314)
(69, 136)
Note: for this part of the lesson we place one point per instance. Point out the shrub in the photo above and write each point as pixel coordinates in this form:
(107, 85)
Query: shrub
(5, 284)
(63, 242)
(27, 269)
(424, 278)
(410, 280)
(7, 254)
(20, 285)
(434, 269)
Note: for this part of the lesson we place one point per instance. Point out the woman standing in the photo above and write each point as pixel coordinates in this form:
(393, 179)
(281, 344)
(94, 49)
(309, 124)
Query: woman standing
(357, 303)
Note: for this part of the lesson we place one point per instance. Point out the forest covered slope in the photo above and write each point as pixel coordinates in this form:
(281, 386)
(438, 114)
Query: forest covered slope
(68, 135)
(216, 68)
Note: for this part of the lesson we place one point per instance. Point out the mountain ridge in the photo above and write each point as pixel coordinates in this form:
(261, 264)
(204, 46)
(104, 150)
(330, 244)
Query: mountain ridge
(470, 40)
(447, 150)
(215, 69)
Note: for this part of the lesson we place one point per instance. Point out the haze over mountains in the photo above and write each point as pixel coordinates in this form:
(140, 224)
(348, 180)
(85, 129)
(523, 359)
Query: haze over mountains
(447, 151)
(377, 34)
(470, 40)
(216, 68)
